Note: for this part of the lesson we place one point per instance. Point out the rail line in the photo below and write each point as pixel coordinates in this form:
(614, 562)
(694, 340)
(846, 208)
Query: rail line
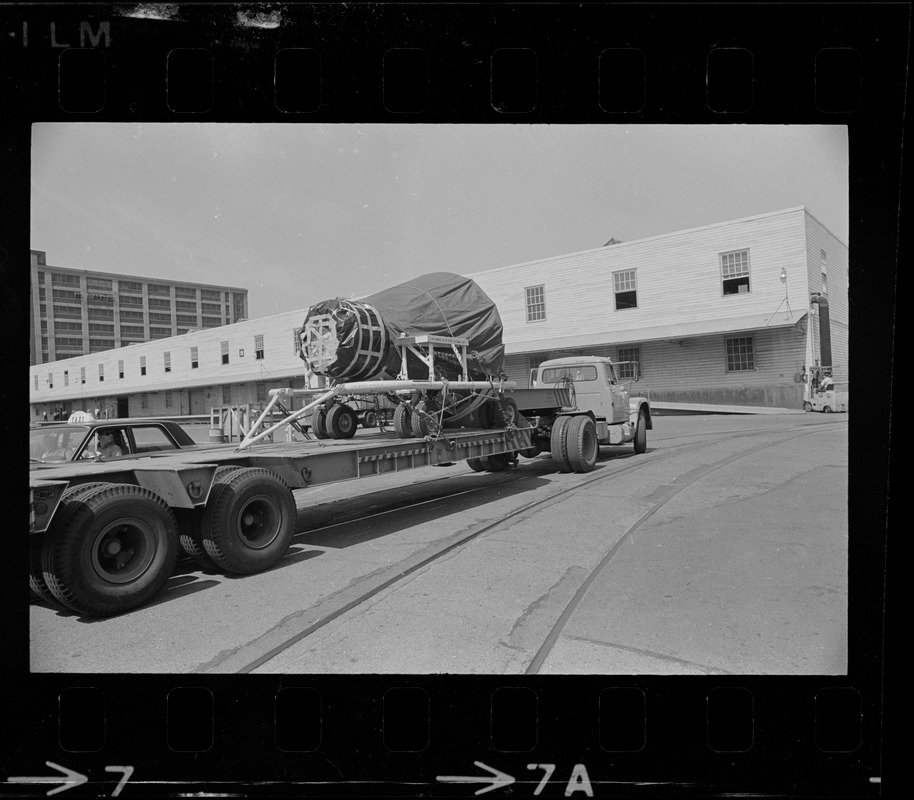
(303, 623)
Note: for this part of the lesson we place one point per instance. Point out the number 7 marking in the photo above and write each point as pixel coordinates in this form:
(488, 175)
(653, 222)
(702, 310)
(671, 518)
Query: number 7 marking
(128, 771)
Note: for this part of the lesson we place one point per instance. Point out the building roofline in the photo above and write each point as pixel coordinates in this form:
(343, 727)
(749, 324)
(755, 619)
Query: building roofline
(127, 276)
(655, 238)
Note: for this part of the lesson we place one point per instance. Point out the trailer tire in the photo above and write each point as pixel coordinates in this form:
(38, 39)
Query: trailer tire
(38, 542)
(826, 410)
(496, 463)
(403, 421)
(341, 421)
(319, 423)
(423, 426)
(641, 433)
(190, 525)
(807, 406)
(113, 552)
(476, 464)
(249, 520)
(370, 419)
(582, 446)
(558, 444)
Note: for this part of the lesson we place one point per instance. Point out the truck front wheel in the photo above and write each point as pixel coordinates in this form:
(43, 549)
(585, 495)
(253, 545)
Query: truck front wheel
(249, 520)
(641, 434)
(112, 551)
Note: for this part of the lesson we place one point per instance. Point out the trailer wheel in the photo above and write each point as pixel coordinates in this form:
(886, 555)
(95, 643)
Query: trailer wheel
(641, 433)
(341, 421)
(582, 445)
(319, 423)
(507, 412)
(826, 410)
(113, 552)
(249, 520)
(403, 421)
(496, 463)
(190, 525)
(422, 425)
(370, 419)
(558, 444)
(807, 406)
(38, 542)
(476, 464)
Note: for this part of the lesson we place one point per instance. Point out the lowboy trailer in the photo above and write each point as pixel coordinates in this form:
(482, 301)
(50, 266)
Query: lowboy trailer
(105, 535)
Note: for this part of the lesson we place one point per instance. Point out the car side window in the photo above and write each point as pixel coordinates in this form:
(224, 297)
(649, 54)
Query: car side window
(150, 438)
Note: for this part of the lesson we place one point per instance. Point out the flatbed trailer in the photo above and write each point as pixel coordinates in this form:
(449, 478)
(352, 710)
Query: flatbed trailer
(105, 535)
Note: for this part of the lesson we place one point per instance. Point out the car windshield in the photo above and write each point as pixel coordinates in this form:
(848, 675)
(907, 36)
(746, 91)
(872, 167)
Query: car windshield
(55, 444)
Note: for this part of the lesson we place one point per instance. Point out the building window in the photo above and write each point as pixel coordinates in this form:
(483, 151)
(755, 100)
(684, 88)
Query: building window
(734, 272)
(159, 289)
(740, 355)
(225, 353)
(625, 288)
(120, 369)
(210, 294)
(185, 291)
(143, 403)
(167, 361)
(628, 365)
(536, 302)
(194, 358)
(101, 372)
(261, 393)
(50, 380)
(167, 399)
(64, 280)
(82, 374)
(258, 347)
(142, 365)
(129, 286)
(66, 377)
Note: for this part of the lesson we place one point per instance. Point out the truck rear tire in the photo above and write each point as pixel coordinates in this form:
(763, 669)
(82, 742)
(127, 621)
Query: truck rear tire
(403, 421)
(582, 445)
(641, 434)
(319, 423)
(249, 521)
(113, 552)
(341, 421)
(558, 444)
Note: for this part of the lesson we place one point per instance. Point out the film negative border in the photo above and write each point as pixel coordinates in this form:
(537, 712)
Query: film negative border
(821, 63)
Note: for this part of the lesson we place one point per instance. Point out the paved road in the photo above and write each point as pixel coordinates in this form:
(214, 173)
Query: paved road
(723, 549)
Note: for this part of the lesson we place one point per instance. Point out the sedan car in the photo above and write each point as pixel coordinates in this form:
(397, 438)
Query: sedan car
(60, 442)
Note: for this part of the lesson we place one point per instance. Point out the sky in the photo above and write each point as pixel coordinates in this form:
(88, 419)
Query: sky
(297, 214)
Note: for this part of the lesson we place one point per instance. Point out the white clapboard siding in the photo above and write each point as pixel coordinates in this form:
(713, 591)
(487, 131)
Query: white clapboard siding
(678, 280)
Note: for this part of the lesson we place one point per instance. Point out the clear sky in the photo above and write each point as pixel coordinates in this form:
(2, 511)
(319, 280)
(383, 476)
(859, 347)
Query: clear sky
(302, 213)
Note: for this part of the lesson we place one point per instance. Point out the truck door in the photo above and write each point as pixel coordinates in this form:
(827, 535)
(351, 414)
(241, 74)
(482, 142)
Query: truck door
(619, 397)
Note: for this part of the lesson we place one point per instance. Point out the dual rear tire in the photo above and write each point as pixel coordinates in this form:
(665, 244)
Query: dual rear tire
(574, 444)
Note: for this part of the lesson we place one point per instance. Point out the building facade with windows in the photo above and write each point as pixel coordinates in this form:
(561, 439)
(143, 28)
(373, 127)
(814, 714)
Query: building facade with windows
(721, 314)
(73, 312)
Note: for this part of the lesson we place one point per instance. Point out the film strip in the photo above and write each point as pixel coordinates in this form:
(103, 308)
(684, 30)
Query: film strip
(204, 733)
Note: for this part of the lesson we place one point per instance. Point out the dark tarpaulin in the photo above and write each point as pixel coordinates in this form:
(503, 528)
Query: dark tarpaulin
(438, 304)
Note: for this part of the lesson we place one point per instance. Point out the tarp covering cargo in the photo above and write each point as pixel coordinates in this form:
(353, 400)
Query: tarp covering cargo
(353, 340)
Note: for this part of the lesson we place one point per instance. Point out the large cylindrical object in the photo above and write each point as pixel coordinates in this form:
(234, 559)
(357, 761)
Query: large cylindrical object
(353, 340)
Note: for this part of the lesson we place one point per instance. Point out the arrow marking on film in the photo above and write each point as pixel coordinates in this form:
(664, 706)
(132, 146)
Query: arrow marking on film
(498, 779)
(72, 778)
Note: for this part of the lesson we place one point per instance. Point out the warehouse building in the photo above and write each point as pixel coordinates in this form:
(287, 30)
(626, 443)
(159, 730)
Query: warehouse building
(73, 312)
(732, 314)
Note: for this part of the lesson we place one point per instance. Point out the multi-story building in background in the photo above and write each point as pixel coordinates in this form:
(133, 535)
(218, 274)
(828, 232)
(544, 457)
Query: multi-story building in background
(75, 312)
